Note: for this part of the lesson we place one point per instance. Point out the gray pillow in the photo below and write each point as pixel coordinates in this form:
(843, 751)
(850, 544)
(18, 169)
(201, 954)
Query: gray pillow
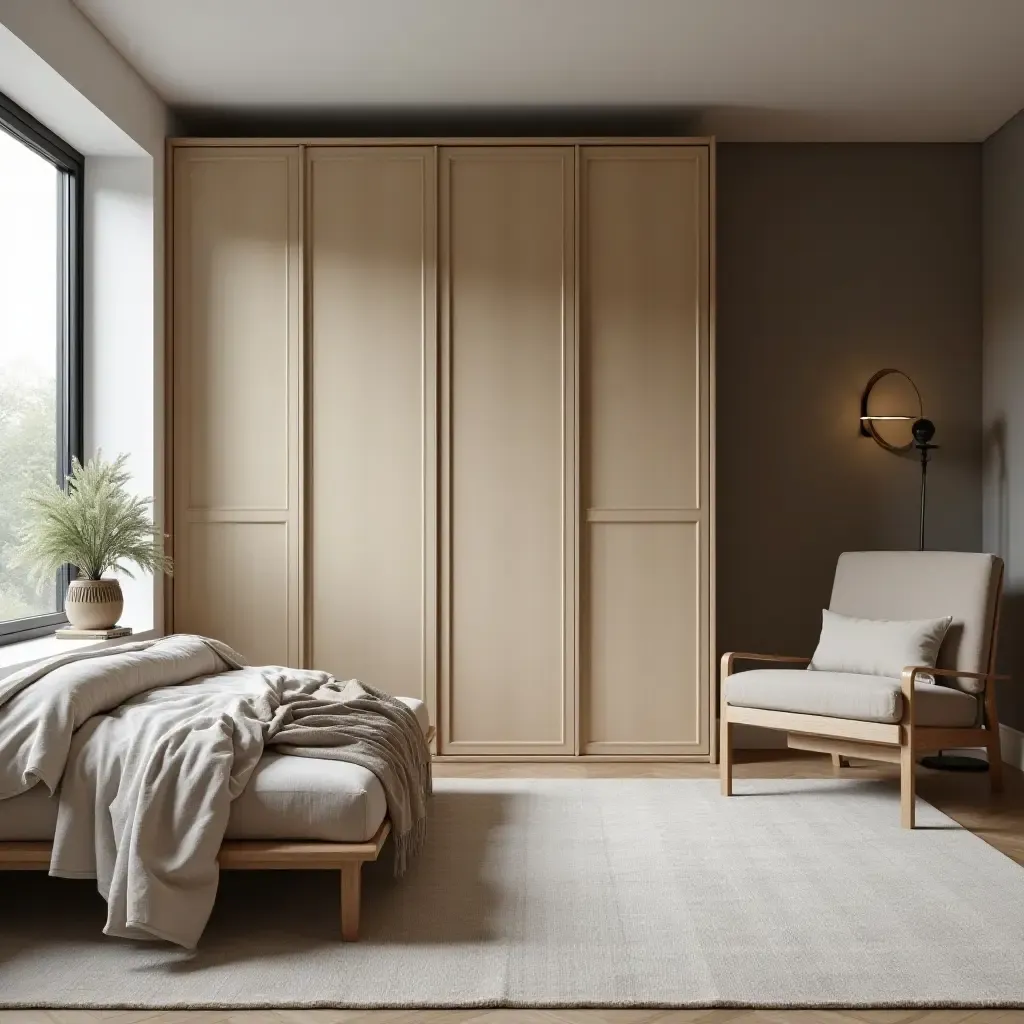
(877, 647)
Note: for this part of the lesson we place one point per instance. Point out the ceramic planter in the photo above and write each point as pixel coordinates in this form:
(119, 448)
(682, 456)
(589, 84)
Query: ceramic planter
(94, 604)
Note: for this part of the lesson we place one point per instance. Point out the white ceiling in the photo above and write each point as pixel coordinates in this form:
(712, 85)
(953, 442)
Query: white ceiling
(876, 70)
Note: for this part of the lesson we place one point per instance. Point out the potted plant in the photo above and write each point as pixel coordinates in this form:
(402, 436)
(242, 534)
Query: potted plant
(96, 525)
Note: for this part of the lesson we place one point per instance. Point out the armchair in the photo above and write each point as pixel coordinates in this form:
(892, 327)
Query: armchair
(877, 717)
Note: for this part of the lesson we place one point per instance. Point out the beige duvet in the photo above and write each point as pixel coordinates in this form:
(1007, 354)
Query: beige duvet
(147, 744)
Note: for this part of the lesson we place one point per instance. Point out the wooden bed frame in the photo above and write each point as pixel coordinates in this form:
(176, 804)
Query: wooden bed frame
(260, 855)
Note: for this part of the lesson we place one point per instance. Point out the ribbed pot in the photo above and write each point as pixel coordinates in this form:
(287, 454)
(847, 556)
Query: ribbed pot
(94, 604)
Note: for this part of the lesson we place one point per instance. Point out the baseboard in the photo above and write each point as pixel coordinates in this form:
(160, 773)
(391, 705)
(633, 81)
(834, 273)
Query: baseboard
(1011, 742)
(750, 737)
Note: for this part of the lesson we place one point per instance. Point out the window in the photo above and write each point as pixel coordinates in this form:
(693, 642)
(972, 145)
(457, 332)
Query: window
(40, 346)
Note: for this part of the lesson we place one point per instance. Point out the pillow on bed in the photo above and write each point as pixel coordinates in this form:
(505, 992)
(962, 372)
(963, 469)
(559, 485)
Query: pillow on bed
(877, 647)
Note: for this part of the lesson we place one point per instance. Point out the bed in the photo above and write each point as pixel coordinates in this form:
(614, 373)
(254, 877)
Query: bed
(294, 813)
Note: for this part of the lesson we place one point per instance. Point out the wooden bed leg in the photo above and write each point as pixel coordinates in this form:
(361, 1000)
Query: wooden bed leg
(838, 761)
(351, 884)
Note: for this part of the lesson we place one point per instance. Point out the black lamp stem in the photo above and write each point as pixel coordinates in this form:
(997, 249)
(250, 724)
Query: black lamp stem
(924, 487)
(923, 431)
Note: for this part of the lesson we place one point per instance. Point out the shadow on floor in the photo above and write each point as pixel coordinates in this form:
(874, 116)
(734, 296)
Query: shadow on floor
(273, 914)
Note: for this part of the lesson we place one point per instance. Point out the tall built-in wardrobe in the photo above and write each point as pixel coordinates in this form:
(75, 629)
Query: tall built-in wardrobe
(441, 419)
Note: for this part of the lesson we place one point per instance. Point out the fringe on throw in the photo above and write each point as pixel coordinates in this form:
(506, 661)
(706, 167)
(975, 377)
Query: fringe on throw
(409, 843)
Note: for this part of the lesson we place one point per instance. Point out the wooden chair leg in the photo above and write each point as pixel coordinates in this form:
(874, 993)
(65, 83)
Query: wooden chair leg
(995, 761)
(351, 886)
(838, 761)
(907, 746)
(992, 745)
(725, 755)
(907, 780)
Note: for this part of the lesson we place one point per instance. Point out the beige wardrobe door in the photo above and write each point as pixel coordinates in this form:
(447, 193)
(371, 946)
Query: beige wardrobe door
(644, 357)
(236, 414)
(507, 537)
(372, 518)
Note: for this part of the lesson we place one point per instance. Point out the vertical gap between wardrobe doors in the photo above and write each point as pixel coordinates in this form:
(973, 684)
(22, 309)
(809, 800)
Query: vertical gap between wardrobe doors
(573, 439)
(166, 623)
(444, 418)
(305, 407)
(709, 424)
(431, 439)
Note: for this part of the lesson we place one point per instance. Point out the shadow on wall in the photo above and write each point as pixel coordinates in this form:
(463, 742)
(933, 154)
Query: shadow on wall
(1011, 659)
(453, 122)
(1011, 622)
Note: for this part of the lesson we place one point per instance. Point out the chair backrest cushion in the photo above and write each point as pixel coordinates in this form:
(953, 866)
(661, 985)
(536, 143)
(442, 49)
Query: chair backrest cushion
(926, 585)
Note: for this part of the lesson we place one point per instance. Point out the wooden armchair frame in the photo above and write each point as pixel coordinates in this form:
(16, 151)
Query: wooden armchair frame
(899, 742)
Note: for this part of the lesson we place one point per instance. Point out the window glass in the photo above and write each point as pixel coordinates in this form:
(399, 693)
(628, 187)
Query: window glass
(31, 305)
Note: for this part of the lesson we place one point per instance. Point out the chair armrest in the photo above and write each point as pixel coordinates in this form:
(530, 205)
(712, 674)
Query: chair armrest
(911, 672)
(733, 656)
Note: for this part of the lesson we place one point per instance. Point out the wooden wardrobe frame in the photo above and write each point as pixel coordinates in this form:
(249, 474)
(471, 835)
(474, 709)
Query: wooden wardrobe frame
(707, 661)
(260, 855)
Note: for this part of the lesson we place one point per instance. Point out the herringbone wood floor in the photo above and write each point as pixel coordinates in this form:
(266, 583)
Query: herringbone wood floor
(998, 820)
(512, 1016)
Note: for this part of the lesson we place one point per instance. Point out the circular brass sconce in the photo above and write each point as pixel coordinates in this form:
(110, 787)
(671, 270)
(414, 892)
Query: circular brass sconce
(869, 419)
(922, 431)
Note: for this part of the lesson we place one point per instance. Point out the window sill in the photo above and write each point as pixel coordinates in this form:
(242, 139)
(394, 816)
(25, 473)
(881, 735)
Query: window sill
(14, 657)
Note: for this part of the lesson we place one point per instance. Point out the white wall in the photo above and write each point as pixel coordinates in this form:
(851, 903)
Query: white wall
(57, 65)
(62, 37)
(120, 414)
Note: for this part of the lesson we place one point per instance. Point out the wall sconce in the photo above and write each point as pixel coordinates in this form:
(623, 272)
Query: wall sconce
(922, 431)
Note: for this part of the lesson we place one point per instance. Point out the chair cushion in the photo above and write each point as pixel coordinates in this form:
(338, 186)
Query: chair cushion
(287, 797)
(844, 695)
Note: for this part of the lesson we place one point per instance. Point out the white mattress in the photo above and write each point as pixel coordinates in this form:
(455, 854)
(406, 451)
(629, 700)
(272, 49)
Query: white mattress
(286, 798)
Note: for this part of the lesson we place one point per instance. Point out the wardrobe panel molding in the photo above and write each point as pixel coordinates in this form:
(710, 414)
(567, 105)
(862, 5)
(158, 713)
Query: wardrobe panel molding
(646, 461)
(507, 230)
(371, 456)
(645, 689)
(643, 245)
(236, 314)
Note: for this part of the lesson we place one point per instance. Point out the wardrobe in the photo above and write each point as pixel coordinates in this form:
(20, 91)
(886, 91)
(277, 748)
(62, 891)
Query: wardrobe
(441, 418)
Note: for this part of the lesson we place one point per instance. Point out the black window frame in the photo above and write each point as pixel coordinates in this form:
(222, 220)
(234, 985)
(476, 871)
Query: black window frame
(70, 343)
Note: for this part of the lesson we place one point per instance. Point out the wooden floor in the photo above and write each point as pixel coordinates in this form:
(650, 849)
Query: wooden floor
(998, 820)
(512, 1016)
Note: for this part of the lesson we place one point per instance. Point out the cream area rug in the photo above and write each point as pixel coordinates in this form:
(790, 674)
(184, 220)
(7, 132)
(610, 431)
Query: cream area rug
(558, 893)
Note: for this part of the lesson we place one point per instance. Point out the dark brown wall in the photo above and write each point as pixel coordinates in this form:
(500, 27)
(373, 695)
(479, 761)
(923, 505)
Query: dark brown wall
(1004, 392)
(833, 262)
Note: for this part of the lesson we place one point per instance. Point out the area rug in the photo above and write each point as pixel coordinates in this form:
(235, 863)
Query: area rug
(559, 893)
